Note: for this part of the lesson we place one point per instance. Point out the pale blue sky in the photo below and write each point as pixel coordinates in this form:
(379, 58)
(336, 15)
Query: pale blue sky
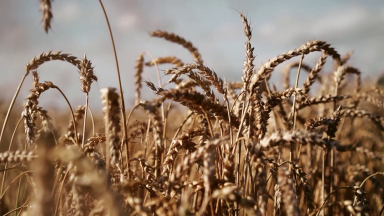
(213, 26)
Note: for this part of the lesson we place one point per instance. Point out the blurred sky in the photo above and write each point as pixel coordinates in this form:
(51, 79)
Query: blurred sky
(213, 26)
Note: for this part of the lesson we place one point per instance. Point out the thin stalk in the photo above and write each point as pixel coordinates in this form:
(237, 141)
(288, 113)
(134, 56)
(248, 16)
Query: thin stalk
(92, 119)
(238, 164)
(331, 169)
(60, 192)
(147, 139)
(166, 120)
(10, 168)
(162, 104)
(18, 195)
(250, 177)
(85, 119)
(25, 204)
(236, 204)
(229, 119)
(9, 149)
(181, 126)
(106, 122)
(9, 186)
(73, 115)
(370, 176)
(235, 101)
(294, 112)
(323, 181)
(362, 184)
(194, 205)
(15, 210)
(130, 113)
(325, 201)
(11, 105)
(275, 115)
(209, 122)
(332, 154)
(246, 141)
(120, 88)
(159, 81)
(242, 119)
(273, 111)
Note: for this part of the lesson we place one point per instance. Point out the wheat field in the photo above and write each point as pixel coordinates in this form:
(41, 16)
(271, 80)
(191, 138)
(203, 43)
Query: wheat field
(204, 146)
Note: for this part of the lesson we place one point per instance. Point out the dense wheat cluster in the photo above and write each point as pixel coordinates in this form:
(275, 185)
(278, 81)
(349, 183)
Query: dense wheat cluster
(239, 147)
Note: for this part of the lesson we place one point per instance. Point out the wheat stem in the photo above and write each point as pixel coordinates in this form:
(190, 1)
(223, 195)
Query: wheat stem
(120, 88)
(11, 105)
(85, 119)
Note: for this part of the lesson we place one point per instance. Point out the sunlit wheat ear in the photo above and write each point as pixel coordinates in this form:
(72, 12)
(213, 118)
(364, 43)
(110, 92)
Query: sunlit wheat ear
(371, 99)
(32, 65)
(249, 57)
(165, 60)
(46, 8)
(377, 120)
(179, 40)
(86, 78)
(285, 138)
(17, 156)
(206, 72)
(49, 56)
(111, 109)
(342, 71)
(343, 60)
(29, 113)
(139, 71)
(196, 102)
(311, 46)
(278, 97)
(203, 83)
(378, 90)
(313, 74)
(35, 79)
(321, 100)
(45, 119)
(86, 73)
(317, 122)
